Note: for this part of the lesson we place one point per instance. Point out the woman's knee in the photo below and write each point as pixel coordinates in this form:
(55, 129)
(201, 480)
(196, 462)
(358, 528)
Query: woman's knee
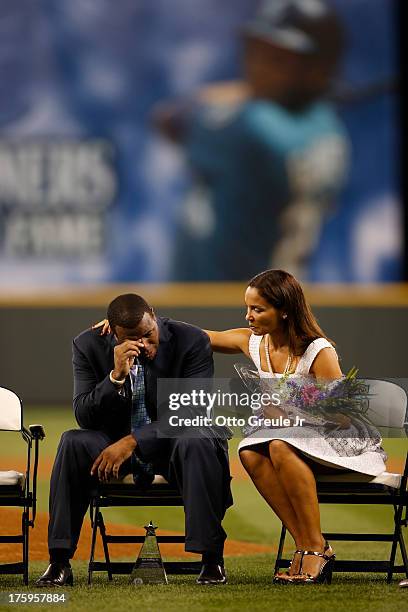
(252, 461)
(279, 451)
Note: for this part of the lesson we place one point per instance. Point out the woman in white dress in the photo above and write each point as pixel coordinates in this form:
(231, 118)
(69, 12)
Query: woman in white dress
(284, 338)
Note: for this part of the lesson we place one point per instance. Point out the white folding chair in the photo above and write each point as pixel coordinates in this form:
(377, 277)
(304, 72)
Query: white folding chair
(17, 489)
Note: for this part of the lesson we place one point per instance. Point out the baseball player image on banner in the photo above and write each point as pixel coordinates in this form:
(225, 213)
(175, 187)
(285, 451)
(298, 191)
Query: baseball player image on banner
(269, 154)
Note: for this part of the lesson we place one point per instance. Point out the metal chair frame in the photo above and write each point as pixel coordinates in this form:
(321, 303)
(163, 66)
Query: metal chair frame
(114, 495)
(353, 493)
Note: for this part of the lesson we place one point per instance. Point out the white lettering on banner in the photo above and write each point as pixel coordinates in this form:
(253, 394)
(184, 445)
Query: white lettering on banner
(54, 196)
(53, 235)
(51, 174)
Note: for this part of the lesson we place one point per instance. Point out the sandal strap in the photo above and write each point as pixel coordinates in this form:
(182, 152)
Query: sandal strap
(316, 554)
(297, 552)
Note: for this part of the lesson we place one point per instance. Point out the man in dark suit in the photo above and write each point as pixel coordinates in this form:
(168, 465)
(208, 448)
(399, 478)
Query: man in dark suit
(115, 404)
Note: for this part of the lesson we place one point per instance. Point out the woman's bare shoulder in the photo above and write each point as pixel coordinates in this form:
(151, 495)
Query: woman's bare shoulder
(326, 364)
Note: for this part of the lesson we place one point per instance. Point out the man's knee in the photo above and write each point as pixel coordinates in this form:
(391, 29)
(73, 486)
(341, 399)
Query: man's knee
(74, 437)
(69, 436)
(82, 440)
(194, 446)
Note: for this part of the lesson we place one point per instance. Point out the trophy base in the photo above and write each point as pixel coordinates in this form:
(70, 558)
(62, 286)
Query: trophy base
(149, 571)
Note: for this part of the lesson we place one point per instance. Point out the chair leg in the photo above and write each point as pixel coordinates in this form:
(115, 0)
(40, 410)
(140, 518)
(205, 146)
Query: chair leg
(93, 543)
(25, 533)
(403, 551)
(280, 549)
(105, 544)
(396, 539)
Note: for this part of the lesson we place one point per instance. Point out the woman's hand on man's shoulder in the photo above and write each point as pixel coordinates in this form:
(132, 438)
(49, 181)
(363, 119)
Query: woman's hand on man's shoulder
(230, 341)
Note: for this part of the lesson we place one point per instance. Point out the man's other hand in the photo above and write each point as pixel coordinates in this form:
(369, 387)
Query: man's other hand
(108, 463)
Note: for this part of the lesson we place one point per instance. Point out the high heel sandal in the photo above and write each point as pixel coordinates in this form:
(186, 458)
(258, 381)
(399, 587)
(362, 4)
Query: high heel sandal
(285, 577)
(325, 572)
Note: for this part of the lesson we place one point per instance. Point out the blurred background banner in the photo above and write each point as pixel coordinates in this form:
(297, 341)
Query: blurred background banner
(96, 186)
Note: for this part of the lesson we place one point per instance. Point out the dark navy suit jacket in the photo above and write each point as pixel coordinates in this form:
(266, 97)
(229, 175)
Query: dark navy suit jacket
(184, 352)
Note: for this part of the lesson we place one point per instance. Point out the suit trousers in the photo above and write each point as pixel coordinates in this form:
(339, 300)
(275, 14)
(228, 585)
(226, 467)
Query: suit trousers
(198, 467)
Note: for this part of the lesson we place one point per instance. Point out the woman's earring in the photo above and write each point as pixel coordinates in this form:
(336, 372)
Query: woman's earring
(284, 316)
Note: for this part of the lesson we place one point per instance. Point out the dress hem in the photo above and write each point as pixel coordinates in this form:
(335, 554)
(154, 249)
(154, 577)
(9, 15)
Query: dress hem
(357, 463)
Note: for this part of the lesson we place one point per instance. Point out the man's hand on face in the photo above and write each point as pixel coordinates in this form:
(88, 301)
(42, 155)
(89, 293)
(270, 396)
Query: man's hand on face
(124, 356)
(107, 464)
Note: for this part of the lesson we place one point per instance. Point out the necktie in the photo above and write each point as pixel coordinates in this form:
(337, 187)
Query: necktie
(143, 473)
(139, 414)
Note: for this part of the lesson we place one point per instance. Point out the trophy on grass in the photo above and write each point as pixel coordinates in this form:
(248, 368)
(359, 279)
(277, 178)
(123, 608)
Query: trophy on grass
(149, 568)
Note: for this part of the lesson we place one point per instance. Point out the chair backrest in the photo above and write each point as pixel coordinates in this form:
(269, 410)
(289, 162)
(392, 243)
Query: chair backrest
(388, 404)
(11, 411)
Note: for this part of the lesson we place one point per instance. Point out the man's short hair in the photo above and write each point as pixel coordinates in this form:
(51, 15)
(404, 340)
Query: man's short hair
(127, 311)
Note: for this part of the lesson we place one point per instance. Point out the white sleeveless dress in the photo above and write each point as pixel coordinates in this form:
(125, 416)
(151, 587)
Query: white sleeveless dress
(363, 455)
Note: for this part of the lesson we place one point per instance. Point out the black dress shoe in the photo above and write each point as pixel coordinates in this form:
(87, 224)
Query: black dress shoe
(56, 575)
(212, 573)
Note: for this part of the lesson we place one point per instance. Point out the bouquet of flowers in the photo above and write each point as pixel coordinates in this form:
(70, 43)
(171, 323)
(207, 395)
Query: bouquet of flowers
(348, 396)
(337, 405)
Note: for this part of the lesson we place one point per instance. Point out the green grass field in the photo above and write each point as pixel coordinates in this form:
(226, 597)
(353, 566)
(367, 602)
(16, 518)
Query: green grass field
(249, 588)
(249, 520)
